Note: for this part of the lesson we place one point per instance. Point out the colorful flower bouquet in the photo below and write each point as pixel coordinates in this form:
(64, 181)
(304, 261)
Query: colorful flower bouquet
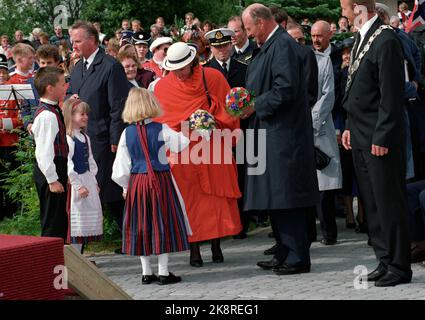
(237, 100)
(203, 122)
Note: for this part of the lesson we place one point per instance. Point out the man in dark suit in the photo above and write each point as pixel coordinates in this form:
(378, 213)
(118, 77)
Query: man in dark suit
(100, 80)
(242, 46)
(375, 132)
(235, 71)
(286, 186)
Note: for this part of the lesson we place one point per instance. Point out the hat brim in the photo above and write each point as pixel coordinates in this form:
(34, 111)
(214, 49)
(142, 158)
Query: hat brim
(176, 66)
(217, 44)
(2, 66)
(146, 43)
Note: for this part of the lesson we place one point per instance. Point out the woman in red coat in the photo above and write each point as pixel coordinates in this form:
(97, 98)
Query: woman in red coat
(210, 191)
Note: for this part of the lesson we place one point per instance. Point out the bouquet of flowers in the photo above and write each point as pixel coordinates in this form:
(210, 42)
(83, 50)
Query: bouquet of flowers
(237, 100)
(203, 122)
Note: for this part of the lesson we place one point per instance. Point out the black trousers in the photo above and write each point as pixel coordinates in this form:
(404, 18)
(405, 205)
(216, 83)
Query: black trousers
(326, 212)
(53, 215)
(383, 191)
(290, 226)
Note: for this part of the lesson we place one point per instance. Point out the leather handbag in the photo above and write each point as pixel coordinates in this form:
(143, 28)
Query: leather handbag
(322, 159)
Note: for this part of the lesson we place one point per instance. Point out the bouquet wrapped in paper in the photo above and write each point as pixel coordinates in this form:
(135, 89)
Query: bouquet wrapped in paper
(237, 100)
(203, 122)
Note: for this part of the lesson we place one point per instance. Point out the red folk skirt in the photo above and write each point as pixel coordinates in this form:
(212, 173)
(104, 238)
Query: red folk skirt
(154, 221)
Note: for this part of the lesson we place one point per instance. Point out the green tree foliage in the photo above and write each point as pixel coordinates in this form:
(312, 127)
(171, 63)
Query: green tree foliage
(312, 9)
(26, 15)
(110, 13)
(20, 188)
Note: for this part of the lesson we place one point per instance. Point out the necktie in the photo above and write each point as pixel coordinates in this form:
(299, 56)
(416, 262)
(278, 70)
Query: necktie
(225, 68)
(85, 65)
(357, 39)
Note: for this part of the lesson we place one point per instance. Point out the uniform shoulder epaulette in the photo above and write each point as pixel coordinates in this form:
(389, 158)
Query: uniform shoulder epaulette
(248, 57)
(242, 61)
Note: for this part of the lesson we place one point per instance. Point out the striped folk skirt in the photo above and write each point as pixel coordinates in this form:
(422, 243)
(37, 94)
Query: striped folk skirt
(154, 221)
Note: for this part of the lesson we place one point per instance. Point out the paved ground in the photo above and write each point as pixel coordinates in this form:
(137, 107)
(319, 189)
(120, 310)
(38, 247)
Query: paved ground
(332, 275)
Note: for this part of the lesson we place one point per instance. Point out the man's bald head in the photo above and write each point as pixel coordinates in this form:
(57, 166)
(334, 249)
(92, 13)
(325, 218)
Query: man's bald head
(258, 11)
(321, 35)
(258, 21)
(321, 26)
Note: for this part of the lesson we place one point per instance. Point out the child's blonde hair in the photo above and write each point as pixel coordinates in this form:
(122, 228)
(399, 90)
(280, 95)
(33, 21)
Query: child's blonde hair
(70, 107)
(21, 50)
(140, 105)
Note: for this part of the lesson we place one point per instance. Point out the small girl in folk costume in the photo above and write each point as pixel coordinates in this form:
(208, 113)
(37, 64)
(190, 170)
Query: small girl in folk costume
(85, 212)
(155, 220)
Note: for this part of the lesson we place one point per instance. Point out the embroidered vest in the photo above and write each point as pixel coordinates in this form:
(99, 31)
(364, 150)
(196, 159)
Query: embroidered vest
(155, 146)
(81, 155)
(60, 144)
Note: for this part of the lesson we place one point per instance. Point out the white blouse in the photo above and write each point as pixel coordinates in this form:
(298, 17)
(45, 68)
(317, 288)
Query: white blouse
(121, 170)
(45, 128)
(74, 177)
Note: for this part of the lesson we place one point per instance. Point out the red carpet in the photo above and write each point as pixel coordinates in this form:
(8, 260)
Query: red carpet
(27, 268)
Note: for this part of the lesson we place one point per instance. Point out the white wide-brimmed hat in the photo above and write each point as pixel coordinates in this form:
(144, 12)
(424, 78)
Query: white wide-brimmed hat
(179, 55)
(159, 42)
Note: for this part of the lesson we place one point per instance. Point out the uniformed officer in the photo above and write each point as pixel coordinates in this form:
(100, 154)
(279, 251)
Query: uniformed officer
(221, 47)
(140, 41)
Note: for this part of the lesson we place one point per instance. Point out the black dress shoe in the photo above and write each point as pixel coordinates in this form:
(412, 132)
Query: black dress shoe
(268, 265)
(390, 279)
(170, 279)
(196, 263)
(286, 270)
(377, 274)
(417, 254)
(218, 258)
(271, 251)
(149, 279)
(240, 236)
(328, 242)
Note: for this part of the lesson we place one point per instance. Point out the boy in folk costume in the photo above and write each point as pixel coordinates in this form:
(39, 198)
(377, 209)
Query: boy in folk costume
(51, 152)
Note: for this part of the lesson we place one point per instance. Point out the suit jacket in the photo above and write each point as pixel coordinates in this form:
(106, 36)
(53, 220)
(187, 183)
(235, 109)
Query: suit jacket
(336, 59)
(276, 76)
(374, 101)
(311, 72)
(105, 88)
(245, 56)
(237, 71)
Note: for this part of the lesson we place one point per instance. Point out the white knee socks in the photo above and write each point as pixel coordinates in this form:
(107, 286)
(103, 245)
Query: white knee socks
(162, 265)
(146, 266)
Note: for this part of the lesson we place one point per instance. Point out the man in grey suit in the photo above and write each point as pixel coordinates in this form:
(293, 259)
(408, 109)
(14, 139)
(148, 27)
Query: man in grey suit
(288, 188)
(100, 80)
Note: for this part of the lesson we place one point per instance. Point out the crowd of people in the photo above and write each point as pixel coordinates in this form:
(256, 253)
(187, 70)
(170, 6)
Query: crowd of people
(106, 107)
